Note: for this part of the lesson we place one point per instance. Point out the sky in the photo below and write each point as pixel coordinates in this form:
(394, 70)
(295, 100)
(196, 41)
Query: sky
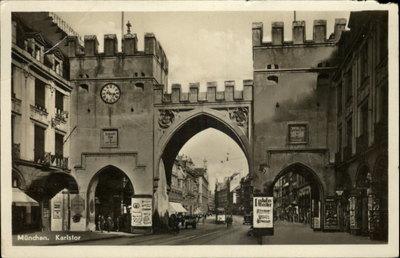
(202, 47)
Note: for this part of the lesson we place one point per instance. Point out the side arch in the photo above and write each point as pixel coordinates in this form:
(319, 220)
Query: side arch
(122, 188)
(304, 170)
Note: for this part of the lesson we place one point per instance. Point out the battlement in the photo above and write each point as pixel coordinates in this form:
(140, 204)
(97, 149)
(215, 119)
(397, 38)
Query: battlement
(298, 33)
(129, 47)
(211, 95)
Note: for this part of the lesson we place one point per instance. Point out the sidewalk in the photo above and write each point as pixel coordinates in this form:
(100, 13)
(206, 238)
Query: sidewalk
(64, 237)
(297, 233)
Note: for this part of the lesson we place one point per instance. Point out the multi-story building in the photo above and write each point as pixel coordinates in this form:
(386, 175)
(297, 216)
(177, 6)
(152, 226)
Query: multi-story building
(246, 194)
(202, 177)
(177, 184)
(40, 97)
(211, 202)
(361, 83)
(221, 194)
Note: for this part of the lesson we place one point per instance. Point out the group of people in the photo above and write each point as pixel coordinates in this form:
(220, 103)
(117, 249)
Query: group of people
(107, 223)
(173, 223)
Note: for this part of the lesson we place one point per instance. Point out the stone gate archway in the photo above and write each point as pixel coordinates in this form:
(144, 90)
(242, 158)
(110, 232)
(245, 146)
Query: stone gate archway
(191, 124)
(109, 193)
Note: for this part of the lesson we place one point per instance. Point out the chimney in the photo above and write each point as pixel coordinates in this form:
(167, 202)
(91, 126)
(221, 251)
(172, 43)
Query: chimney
(91, 45)
(257, 33)
(72, 43)
(150, 43)
(129, 44)
(340, 26)
(277, 33)
(319, 31)
(299, 32)
(110, 44)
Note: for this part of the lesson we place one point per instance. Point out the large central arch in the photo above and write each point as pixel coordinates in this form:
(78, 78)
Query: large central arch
(193, 122)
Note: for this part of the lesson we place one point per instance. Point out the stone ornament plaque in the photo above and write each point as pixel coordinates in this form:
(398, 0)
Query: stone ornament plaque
(298, 133)
(109, 138)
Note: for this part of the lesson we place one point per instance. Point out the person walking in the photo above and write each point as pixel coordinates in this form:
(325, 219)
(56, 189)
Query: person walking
(101, 223)
(109, 223)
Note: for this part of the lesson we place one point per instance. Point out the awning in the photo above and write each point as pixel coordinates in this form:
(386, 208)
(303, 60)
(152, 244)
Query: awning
(176, 207)
(20, 198)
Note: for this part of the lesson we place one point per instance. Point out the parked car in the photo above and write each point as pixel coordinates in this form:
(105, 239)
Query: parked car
(190, 220)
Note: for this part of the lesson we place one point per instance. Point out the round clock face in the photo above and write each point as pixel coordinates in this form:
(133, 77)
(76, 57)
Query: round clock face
(110, 93)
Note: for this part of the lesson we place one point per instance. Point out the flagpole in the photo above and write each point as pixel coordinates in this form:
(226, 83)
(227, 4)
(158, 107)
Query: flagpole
(122, 27)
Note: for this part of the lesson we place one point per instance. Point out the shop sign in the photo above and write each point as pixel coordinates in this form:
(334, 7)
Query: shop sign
(57, 210)
(263, 212)
(141, 212)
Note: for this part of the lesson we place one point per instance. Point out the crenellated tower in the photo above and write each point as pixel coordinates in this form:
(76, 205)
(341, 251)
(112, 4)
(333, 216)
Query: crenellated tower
(112, 111)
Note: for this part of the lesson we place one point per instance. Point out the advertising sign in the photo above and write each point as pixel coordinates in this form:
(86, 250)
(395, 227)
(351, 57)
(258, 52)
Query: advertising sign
(331, 214)
(221, 217)
(263, 212)
(141, 212)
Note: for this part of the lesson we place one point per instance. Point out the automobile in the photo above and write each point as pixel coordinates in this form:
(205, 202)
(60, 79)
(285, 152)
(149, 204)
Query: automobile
(247, 218)
(190, 220)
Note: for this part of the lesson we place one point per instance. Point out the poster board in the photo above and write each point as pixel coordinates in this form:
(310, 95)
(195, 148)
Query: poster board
(263, 212)
(141, 213)
(331, 214)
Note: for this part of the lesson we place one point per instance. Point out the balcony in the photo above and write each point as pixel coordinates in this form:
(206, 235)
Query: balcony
(59, 120)
(39, 113)
(59, 161)
(16, 105)
(362, 143)
(347, 153)
(16, 151)
(380, 132)
(52, 161)
(43, 159)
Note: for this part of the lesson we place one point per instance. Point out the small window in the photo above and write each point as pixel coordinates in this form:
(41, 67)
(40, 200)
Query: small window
(39, 140)
(57, 67)
(40, 91)
(38, 53)
(273, 78)
(348, 77)
(349, 133)
(59, 145)
(59, 102)
(139, 85)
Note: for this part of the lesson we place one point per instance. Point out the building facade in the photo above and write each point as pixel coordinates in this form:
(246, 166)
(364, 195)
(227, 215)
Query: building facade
(361, 83)
(40, 118)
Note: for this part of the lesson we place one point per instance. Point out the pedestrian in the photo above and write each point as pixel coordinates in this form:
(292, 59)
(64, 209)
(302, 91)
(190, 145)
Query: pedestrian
(173, 224)
(109, 223)
(117, 221)
(101, 223)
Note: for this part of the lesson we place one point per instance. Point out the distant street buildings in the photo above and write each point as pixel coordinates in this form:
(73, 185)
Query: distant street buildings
(189, 186)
